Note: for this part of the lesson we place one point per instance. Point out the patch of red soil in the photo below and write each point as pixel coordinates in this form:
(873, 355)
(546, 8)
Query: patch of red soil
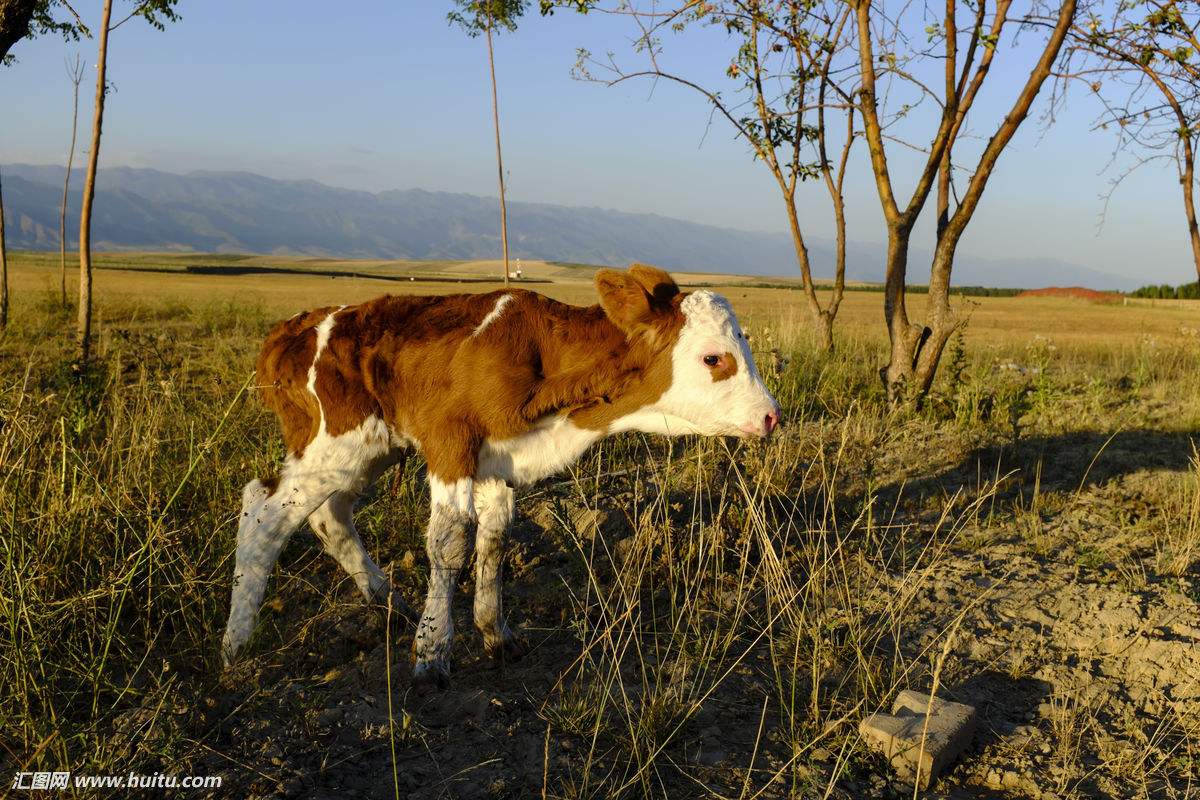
(1091, 295)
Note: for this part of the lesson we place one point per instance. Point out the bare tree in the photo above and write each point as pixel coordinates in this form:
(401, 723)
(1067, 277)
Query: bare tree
(885, 53)
(1143, 61)
(153, 12)
(499, 152)
(788, 67)
(75, 74)
(483, 16)
(83, 325)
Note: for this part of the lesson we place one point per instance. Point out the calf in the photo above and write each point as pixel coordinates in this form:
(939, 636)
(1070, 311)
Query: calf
(496, 390)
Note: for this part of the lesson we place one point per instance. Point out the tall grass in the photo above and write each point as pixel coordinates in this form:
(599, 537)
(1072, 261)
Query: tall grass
(727, 580)
(116, 495)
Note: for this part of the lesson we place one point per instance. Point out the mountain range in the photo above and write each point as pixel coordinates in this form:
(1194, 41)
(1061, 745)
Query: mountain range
(146, 209)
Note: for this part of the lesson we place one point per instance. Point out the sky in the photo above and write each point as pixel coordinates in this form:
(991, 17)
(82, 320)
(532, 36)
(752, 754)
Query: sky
(393, 97)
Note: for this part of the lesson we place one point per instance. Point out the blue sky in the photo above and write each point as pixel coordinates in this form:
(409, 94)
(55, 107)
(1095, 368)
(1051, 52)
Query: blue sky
(391, 97)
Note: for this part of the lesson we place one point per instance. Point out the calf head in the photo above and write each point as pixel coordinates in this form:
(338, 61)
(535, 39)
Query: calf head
(714, 387)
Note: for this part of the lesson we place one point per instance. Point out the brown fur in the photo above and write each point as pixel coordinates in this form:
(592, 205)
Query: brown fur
(282, 366)
(270, 483)
(725, 368)
(415, 363)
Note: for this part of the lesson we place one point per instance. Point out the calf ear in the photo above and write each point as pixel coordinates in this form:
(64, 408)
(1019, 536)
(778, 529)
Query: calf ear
(624, 300)
(637, 299)
(658, 284)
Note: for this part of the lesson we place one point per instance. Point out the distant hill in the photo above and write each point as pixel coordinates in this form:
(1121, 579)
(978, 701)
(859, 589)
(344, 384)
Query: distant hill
(144, 209)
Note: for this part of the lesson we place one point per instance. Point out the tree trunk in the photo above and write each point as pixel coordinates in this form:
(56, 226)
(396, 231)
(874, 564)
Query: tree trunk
(15, 16)
(3, 264)
(822, 322)
(825, 331)
(84, 320)
(917, 350)
(1188, 179)
(499, 157)
(904, 336)
(942, 322)
(1185, 161)
(62, 222)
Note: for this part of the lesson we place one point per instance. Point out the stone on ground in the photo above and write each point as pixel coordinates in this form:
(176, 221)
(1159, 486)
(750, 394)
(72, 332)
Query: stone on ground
(945, 726)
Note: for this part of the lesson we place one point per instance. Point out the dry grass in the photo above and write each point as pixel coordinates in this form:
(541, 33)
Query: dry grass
(710, 618)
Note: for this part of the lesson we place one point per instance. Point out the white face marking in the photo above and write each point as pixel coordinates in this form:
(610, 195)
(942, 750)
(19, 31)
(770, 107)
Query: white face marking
(494, 314)
(739, 405)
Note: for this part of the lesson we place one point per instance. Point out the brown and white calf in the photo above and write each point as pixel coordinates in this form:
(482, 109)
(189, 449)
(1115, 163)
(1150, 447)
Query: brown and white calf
(496, 390)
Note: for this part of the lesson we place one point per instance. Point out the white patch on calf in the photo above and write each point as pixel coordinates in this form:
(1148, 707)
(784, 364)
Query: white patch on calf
(253, 492)
(455, 496)
(323, 331)
(494, 508)
(494, 314)
(333, 525)
(555, 443)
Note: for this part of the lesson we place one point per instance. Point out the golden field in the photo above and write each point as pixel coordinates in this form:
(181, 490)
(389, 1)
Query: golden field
(163, 278)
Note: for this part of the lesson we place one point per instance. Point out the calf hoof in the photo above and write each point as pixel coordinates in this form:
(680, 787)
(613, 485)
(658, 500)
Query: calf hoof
(429, 677)
(229, 651)
(508, 650)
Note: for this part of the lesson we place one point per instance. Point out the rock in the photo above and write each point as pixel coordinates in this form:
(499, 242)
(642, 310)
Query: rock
(1011, 779)
(947, 730)
(588, 522)
(545, 516)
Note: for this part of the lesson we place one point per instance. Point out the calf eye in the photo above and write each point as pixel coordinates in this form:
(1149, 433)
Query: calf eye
(712, 361)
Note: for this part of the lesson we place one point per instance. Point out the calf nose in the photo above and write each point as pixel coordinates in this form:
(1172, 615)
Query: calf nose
(771, 420)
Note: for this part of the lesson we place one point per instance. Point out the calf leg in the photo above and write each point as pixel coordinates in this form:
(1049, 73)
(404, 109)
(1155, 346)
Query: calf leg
(494, 507)
(333, 523)
(269, 518)
(451, 510)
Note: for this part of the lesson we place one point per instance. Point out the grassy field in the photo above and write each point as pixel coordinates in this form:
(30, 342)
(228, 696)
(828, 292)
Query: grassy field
(708, 618)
